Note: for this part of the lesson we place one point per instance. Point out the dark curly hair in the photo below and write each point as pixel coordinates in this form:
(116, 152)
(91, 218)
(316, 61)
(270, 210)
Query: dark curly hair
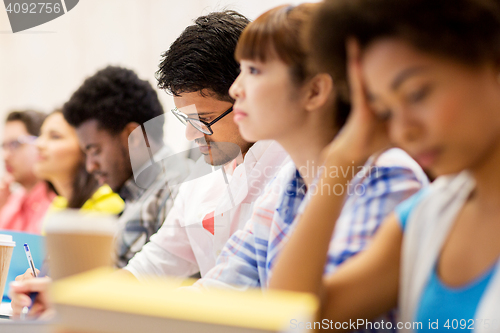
(202, 57)
(467, 31)
(115, 96)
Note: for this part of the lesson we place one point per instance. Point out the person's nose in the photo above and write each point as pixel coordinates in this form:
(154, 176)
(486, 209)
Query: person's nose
(39, 144)
(236, 89)
(192, 133)
(6, 154)
(91, 164)
(405, 129)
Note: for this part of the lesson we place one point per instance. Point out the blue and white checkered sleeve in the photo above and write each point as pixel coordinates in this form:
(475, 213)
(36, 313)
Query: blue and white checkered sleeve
(370, 202)
(236, 266)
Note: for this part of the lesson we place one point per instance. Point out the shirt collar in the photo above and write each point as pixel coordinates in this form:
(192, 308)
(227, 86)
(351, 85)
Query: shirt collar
(130, 190)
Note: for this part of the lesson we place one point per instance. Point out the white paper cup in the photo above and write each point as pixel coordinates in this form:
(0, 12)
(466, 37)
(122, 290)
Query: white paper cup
(77, 242)
(6, 249)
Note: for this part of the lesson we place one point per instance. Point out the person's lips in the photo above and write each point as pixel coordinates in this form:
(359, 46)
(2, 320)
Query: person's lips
(204, 149)
(428, 157)
(8, 168)
(101, 179)
(239, 115)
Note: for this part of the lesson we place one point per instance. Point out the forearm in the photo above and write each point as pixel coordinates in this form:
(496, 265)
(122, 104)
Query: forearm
(154, 260)
(301, 264)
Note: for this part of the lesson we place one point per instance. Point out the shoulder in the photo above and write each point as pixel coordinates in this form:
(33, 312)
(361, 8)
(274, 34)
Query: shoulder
(397, 159)
(275, 189)
(283, 177)
(104, 200)
(58, 203)
(446, 192)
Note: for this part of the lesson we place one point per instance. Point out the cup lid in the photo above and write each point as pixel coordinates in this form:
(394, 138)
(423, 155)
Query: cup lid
(74, 221)
(6, 240)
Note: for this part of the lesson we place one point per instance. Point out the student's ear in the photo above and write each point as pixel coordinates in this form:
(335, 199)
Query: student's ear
(320, 91)
(130, 136)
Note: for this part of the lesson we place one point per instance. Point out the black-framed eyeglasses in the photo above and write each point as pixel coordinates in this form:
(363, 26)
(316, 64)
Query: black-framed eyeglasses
(201, 125)
(17, 143)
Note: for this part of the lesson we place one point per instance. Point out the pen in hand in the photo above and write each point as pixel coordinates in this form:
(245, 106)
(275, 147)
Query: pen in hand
(33, 295)
(30, 259)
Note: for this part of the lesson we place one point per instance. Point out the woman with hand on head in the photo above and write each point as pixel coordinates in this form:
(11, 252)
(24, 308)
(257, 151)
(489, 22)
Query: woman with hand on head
(424, 74)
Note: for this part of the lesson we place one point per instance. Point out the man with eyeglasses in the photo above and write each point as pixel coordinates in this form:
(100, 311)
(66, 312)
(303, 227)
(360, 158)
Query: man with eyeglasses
(24, 209)
(198, 70)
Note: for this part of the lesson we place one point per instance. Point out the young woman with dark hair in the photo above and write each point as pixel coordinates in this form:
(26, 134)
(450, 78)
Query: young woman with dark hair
(279, 97)
(424, 74)
(61, 162)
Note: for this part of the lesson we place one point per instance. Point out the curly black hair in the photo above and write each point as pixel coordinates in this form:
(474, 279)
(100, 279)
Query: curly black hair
(202, 57)
(115, 97)
(464, 30)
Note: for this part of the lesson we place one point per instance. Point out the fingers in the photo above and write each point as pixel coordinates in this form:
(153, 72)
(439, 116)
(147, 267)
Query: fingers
(19, 301)
(358, 93)
(31, 285)
(27, 275)
(19, 293)
(6, 181)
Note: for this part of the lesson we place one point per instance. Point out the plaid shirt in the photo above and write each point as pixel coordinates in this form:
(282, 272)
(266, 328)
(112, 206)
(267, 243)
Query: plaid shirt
(248, 257)
(146, 207)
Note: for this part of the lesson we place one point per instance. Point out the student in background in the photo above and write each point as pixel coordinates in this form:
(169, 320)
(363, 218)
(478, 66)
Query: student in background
(61, 162)
(24, 209)
(279, 97)
(107, 112)
(426, 75)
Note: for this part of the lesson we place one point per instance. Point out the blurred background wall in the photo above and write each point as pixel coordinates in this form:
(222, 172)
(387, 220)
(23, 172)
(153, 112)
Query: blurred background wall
(41, 67)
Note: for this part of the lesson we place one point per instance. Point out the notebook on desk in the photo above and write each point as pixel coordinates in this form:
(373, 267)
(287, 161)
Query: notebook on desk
(98, 301)
(5, 310)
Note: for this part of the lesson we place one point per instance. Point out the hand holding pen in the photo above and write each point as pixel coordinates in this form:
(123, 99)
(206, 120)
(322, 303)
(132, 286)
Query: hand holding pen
(20, 292)
(33, 295)
(29, 293)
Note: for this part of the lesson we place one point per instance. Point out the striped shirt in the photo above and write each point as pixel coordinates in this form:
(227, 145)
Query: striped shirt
(247, 258)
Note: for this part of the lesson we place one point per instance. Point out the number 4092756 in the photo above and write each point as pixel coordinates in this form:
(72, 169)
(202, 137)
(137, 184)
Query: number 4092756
(34, 8)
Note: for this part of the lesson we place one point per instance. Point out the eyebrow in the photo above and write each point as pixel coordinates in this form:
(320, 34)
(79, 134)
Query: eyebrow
(405, 75)
(90, 146)
(199, 113)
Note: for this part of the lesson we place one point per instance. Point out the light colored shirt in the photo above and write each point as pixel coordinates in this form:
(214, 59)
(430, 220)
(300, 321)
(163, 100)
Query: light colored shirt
(427, 219)
(446, 306)
(24, 211)
(248, 257)
(206, 212)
